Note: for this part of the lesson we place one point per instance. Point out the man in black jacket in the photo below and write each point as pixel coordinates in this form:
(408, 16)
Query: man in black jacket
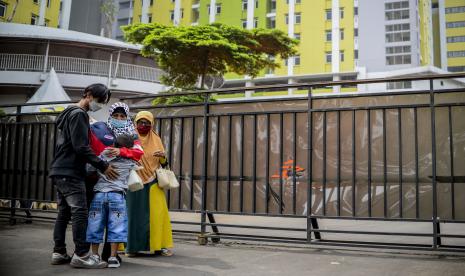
(68, 172)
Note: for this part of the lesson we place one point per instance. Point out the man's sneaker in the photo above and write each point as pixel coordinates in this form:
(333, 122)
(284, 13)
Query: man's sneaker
(58, 259)
(88, 261)
(113, 262)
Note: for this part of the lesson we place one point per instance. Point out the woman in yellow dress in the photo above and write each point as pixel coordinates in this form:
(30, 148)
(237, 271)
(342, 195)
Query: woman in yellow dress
(149, 226)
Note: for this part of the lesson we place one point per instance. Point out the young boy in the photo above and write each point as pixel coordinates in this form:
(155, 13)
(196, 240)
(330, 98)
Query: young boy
(108, 207)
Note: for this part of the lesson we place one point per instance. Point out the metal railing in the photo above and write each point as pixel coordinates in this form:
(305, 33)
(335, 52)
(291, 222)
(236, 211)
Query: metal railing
(26, 62)
(379, 157)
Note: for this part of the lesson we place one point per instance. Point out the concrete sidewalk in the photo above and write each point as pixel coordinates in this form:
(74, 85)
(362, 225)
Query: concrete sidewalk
(26, 250)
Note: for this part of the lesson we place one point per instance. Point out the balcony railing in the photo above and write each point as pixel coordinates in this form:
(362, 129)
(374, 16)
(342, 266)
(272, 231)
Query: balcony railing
(25, 62)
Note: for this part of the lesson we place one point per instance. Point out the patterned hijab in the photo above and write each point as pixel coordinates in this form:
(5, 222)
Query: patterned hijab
(151, 143)
(128, 127)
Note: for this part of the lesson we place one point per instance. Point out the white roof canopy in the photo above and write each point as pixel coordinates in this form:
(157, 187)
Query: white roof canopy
(50, 91)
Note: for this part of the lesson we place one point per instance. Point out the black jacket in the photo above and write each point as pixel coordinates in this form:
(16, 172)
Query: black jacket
(72, 150)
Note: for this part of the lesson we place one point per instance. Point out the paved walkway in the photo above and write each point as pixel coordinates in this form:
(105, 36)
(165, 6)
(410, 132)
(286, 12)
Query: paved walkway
(25, 250)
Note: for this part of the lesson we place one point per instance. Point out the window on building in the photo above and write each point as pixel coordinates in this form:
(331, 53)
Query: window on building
(35, 1)
(398, 50)
(34, 19)
(454, 39)
(341, 13)
(456, 69)
(124, 5)
(297, 36)
(356, 32)
(151, 2)
(255, 22)
(218, 8)
(298, 18)
(355, 54)
(272, 6)
(399, 85)
(295, 1)
(396, 15)
(396, 5)
(329, 36)
(455, 9)
(434, 5)
(172, 15)
(457, 24)
(355, 10)
(399, 59)
(256, 4)
(149, 18)
(397, 37)
(48, 3)
(297, 60)
(2, 9)
(195, 15)
(287, 18)
(342, 34)
(244, 23)
(341, 54)
(46, 22)
(455, 54)
(271, 22)
(397, 27)
(244, 5)
(329, 14)
(328, 57)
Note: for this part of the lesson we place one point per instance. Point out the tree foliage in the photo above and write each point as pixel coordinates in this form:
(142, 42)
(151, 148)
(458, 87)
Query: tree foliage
(190, 53)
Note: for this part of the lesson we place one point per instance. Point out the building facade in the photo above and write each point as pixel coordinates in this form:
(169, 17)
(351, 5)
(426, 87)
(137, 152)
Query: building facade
(33, 12)
(449, 32)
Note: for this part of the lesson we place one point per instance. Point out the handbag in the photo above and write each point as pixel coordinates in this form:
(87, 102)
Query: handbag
(166, 178)
(135, 182)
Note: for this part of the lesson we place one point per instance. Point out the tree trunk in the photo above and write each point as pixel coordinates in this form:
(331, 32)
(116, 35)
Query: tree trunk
(10, 18)
(204, 70)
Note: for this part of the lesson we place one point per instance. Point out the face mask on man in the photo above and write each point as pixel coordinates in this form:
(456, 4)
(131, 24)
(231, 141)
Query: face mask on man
(118, 123)
(95, 106)
(144, 129)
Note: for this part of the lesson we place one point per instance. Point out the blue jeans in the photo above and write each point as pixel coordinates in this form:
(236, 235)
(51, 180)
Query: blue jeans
(108, 210)
(72, 205)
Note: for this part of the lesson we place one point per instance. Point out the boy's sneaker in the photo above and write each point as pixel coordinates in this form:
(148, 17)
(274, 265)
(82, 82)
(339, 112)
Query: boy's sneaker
(58, 259)
(88, 261)
(113, 262)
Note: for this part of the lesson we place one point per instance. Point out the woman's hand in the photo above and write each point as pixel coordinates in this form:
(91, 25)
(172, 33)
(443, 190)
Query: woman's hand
(159, 153)
(113, 152)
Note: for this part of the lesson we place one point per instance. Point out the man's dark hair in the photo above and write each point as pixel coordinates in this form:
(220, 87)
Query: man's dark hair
(124, 141)
(99, 91)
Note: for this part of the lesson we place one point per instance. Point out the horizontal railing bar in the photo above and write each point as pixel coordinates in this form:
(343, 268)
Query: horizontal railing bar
(256, 227)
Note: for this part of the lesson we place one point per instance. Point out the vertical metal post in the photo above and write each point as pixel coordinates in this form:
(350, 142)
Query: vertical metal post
(109, 70)
(217, 159)
(354, 165)
(451, 154)
(281, 153)
(191, 198)
(309, 163)
(181, 157)
(205, 163)
(229, 163)
(369, 160)
(399, 125)
(294, 163)
(170, 155)
(417, 177)
(267, 169)
(384, 165)
(46, 57)
(436, 239)
(338, 163)
(15, 167)
(254, 163)
(241, 167)
(324, 163)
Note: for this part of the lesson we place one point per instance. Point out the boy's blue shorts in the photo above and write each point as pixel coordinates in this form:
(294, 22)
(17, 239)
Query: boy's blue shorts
(108, 210)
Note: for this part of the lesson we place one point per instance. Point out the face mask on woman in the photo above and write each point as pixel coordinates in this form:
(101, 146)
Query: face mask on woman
(118, 123)
(143, 129)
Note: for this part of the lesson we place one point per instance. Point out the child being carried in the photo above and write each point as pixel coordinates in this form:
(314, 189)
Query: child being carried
(108, 207)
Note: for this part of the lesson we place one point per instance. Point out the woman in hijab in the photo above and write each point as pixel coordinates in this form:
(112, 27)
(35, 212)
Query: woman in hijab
(103, 136)
(149, 226)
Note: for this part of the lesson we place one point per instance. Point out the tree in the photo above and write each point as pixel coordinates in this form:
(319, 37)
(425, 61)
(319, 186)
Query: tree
(109, 11)
(15, 6)
(190, 53)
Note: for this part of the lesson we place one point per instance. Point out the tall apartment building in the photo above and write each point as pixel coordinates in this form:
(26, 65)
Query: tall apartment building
(34, 12)
(338, 38)
(449, 30)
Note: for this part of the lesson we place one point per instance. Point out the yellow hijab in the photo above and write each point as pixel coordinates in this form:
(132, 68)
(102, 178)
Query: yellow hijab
(151, 143)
